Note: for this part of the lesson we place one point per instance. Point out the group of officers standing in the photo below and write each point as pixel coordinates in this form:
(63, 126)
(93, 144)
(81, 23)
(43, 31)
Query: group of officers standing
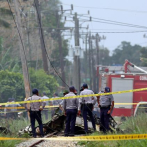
(73, 107)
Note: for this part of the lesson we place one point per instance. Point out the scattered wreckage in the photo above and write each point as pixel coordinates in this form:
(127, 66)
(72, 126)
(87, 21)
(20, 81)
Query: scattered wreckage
(57, 124)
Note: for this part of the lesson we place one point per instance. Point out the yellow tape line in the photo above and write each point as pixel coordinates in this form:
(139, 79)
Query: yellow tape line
(24, 107)
(79, 96)
(88, 138)
(13, 111)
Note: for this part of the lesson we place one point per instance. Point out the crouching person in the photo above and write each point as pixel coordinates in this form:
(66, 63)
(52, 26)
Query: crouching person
(35, 112)
(70, 107)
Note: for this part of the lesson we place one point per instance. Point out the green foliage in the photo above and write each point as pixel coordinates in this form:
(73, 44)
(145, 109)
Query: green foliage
(14, 126)
(42, 81)
(126, 51)
(2, 21)
(144, 56)
(6, 62)
(49, 19)
(135, 125)
(11, 85)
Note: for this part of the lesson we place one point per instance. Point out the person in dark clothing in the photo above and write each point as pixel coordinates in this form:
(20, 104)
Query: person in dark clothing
(70, 109)
(86, 106)
(35, 112)
(106, 104)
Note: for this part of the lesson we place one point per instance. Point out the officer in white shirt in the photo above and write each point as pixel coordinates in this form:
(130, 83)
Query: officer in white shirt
(106, 104)
(46, 110)
(86, 106)
(70, 107)
(35, 111)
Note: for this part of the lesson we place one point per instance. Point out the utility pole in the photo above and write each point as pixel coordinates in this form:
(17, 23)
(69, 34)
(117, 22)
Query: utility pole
(86, 57)
(93, 69)
(97, 57)
(22, 51)
(44, 57)
(60, 50)
(90, 60)
(77, 75)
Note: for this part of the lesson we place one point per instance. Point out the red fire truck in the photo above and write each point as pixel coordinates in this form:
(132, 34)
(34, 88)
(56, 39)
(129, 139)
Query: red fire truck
(125, 81)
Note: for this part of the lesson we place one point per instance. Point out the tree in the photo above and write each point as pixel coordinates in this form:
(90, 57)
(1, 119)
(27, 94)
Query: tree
(143, 58)
(126, 51)
(6, 62)
(42, 81)
(11, 84)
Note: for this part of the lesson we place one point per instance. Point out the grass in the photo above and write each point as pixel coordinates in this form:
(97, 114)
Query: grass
(133, 125)
(14, 125)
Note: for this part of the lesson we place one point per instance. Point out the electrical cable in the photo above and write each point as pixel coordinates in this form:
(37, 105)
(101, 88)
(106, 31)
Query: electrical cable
(41, 32)
(106, 20)
(125, 25)
(114, 9)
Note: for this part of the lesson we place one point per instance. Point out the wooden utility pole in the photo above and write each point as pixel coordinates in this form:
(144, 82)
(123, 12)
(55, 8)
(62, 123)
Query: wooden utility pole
(22, 51)
(90, 60)
(44, 56)
(86, 65)
(60, 50)
(97, 57)
(93, 69)
(77, 79)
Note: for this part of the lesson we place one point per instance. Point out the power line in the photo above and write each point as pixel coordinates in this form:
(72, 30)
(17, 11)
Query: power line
(113, 9)
(45, 45)
(143, 27)
(117, 22)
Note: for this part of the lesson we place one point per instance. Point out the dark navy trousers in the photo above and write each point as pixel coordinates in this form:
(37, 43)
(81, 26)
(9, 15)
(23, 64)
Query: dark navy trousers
(104, 118)
(71, 115)
(87, 110)
(36, 115)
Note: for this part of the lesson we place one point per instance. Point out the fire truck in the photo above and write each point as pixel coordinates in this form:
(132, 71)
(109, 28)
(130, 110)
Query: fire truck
(124, 78)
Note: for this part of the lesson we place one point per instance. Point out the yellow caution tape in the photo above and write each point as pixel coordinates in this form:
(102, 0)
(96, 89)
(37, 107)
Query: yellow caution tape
(13, 111)
(79, 96)
(24, 107)
(88, 138)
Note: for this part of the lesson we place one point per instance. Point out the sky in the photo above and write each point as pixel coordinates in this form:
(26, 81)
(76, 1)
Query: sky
(126, 11)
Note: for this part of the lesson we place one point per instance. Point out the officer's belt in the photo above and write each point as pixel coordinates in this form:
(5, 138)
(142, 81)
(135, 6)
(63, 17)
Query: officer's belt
(86, 103)
(105, 106)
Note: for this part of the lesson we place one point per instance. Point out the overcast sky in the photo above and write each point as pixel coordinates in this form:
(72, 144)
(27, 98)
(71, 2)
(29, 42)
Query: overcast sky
(126, 11)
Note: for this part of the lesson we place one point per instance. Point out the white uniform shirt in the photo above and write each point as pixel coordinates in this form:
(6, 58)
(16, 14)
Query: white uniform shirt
(70, 103)
(56, 102)
(45, 97)
(89, 99)
(35, 106)
(106, 100)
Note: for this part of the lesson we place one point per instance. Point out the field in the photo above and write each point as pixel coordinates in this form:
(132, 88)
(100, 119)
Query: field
(133, 125)
(14, 125)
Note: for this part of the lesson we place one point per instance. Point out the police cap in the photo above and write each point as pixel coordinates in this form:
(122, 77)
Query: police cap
(85, 85)
(107, 89)
(72, 88)
(35, 91)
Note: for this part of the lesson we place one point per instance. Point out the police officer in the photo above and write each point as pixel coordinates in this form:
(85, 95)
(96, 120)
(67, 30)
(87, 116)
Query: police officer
(86, 106)
(46, 110)
(56, 103)
(106, 104)
(35, 112)
(70, 107)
